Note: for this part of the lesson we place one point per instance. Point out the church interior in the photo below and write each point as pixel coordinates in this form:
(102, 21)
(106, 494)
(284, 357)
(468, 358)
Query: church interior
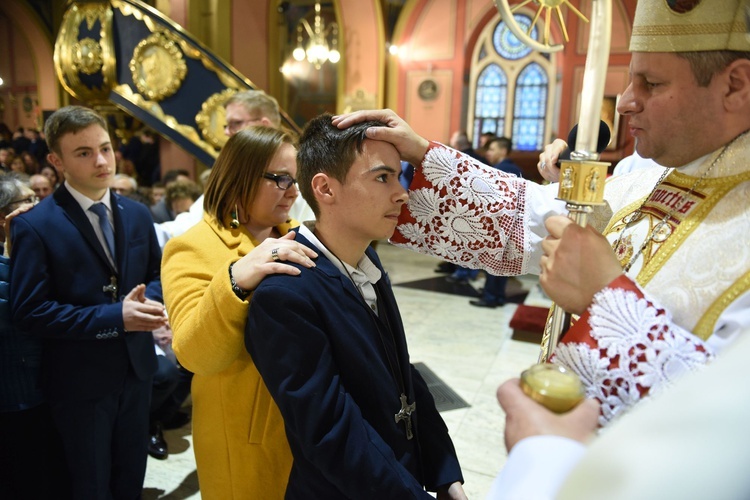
(442, 65)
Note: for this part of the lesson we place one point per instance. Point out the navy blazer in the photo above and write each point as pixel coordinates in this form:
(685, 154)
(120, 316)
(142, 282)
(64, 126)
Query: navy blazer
(321, 353)
(58, 273)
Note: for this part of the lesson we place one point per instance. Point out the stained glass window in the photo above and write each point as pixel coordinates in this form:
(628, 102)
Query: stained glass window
(507, 44)
(490, 102)
(530, 108)
(511, 86)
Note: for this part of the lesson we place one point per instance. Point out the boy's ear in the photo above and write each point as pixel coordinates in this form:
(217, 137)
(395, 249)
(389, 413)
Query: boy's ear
(55, 160)
(321, 186)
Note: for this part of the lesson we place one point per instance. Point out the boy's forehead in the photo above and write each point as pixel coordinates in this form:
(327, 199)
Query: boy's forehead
(93, 135)
(371, 147)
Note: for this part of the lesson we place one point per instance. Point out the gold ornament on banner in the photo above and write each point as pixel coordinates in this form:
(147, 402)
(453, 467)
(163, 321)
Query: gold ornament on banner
(212, 117)
(158, 67)
(87, 56)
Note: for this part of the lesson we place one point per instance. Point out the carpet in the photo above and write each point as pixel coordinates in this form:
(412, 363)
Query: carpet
(445, 397)
(528, 323)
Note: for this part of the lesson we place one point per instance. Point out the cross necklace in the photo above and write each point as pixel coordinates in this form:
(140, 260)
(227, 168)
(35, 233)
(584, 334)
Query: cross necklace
(405, 412)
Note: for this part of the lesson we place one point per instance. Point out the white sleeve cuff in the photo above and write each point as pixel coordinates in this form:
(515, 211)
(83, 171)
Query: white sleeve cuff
(536, 468)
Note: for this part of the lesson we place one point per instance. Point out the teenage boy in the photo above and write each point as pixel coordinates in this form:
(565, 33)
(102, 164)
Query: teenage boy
(79, 265)
(330, 343)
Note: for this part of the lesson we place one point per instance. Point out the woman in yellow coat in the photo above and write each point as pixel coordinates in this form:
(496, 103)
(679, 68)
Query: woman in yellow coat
(208, 275)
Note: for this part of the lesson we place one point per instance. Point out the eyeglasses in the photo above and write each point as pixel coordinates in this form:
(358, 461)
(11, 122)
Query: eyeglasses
(235, 125)
(283, 181)
(31, 199)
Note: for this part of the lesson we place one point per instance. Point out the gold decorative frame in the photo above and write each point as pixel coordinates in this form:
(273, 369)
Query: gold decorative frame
(212, 116)
(158, 67)
(73, 56)
(87, 56)
(155, 109)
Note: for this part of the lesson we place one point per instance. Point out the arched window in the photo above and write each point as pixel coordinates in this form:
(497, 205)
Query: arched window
(511, 87)
(492, 92)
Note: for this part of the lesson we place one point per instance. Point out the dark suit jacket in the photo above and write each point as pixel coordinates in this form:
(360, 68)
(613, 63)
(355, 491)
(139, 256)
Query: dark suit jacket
(509, 167)
(321, 353)
(161, 213)
(58, 270)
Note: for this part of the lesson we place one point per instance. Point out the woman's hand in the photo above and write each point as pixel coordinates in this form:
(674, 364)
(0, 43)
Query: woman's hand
(20, 210)
(268, 258)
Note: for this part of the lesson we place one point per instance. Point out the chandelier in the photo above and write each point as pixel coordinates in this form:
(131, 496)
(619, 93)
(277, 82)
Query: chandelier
(317, 51)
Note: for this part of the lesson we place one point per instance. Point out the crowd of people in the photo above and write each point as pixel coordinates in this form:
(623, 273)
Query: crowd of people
(115, 306)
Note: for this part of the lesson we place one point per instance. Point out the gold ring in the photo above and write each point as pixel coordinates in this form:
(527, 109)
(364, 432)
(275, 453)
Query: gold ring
(275, 254)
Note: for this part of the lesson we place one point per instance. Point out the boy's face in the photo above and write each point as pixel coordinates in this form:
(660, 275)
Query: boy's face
(87, 160)
(370, 200)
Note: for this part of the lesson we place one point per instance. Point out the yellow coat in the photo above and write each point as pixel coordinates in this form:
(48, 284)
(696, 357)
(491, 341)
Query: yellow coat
(241, 448)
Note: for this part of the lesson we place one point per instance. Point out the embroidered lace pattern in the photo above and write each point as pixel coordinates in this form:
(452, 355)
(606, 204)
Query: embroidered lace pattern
(465, 212)
(639, 351)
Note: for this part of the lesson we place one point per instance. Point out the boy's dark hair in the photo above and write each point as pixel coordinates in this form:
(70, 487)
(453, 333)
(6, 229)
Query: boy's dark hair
(69, 120)
(324, 148)
(172, 175)
(503, 142)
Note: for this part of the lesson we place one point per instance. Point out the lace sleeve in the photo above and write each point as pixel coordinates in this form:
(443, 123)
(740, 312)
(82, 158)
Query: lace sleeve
(626, 346)
(465, 212)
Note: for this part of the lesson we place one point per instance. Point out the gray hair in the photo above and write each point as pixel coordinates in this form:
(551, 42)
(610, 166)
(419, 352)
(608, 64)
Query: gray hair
(133, 182)
(11, 187)
(257, 101)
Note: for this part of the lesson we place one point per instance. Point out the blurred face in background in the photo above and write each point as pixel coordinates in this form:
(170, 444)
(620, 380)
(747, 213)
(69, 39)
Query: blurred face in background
(50, 173)
(157, 194)
(41, 186)
(17, 165)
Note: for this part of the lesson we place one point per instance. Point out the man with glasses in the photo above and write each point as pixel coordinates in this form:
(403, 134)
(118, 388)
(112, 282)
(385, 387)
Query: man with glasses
(251, 108)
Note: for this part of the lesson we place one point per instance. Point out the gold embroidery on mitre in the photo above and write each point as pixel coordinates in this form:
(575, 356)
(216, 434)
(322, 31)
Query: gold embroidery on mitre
(686, 26)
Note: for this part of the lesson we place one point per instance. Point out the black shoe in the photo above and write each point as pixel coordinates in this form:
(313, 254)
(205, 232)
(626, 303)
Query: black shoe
(458, 281)
(179, 419)
(157, 446)
(484, 303)
(445, 267)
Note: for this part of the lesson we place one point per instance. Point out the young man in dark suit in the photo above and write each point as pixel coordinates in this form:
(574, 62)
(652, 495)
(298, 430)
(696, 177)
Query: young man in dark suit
(330, 345)
(80, 263)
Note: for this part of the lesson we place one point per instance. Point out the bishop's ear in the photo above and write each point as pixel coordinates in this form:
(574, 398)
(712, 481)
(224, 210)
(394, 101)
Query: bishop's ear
(738, 78)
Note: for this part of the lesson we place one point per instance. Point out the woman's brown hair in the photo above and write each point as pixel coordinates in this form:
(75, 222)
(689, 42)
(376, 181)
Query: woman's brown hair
(239, 170)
